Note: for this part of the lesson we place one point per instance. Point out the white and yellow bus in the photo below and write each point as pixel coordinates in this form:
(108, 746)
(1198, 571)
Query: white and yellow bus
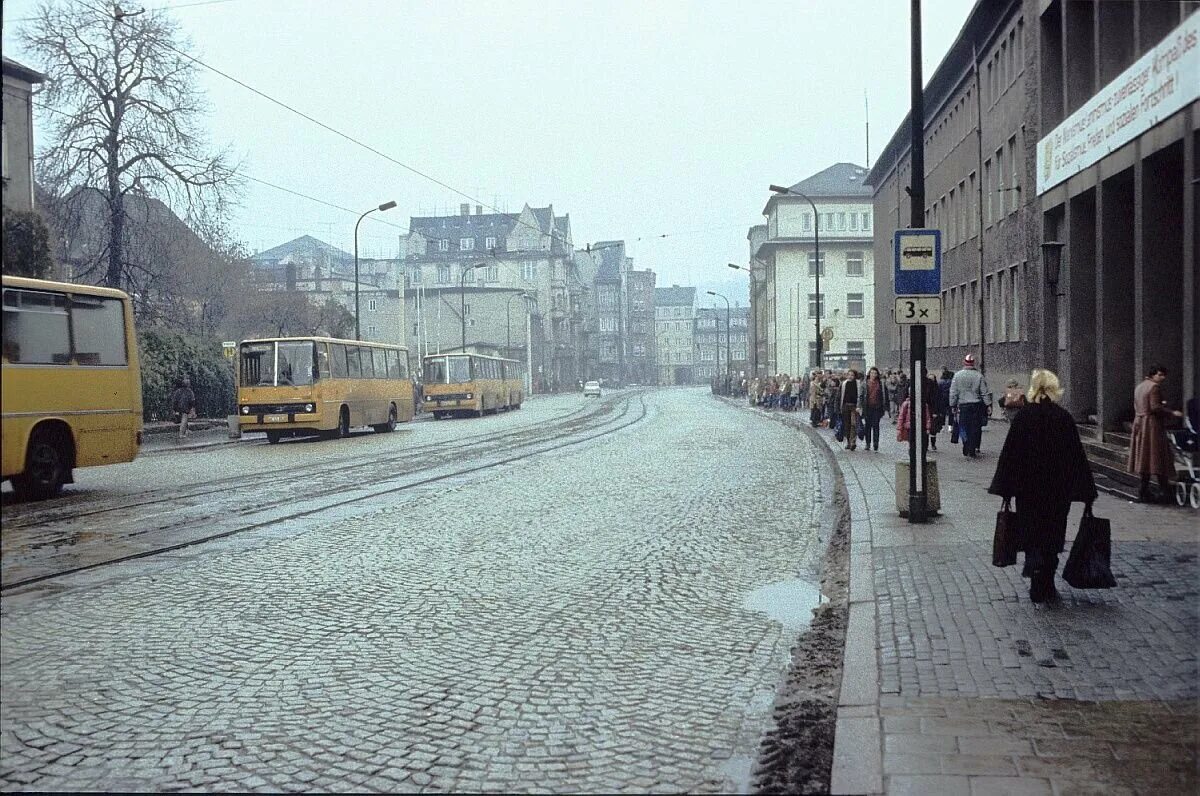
(471, 384)
(72, 389)
(303, 386)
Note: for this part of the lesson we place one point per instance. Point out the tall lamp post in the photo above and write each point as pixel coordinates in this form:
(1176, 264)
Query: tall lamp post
(462, 300)
(381, 208)
(816, 253)
(728, 361)
(508, 322)
(753, 320)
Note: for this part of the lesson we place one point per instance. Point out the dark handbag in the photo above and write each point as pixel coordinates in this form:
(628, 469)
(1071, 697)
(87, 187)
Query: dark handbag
(954, 431)
(1089, 565)
(839, 433)
(862, 428)
(1007, 541)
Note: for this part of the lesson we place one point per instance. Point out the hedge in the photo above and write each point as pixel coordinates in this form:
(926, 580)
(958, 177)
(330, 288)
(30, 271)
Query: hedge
(168, 355)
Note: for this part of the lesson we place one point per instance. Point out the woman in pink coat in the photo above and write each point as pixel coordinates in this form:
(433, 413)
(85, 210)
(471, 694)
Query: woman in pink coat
(904, 420)
(1149, 450)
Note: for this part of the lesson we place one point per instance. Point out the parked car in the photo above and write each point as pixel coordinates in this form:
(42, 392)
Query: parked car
(591, 388)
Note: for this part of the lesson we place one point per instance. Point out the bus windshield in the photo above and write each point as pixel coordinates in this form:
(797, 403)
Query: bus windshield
(292, 368)
(447, 370)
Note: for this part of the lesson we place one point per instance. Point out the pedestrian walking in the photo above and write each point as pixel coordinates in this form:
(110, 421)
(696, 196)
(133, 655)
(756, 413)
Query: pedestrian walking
(875, 401)
(849, 409)
(904, 420)
(1149, 449)
(1043, 467)
(183, 404)
(816, 394)
(968, 395)
(930, 397)
(1013, 399)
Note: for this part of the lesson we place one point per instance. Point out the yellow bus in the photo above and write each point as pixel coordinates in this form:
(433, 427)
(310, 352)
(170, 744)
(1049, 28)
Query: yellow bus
(471, 384)
(304, 386)
(72, 389)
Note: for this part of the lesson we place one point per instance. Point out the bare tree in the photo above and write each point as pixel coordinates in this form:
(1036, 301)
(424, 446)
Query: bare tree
(126, 122)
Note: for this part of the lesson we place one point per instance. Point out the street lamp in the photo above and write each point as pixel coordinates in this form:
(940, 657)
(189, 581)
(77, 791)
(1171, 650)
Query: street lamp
(462, 300)
(816, 253)
(508, 322)
(381, 208)
(754, 310)
(728, 362)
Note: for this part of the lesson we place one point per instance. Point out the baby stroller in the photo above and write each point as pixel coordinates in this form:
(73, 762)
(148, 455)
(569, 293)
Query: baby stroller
(1185, 442)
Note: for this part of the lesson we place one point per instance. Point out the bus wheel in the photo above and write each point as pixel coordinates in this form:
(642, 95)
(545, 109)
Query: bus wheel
(274, 436)
(47, 465)
(390, 425)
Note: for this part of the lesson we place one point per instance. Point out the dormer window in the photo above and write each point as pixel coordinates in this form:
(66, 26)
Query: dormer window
(466, 244)
(444, 245)
(489, 243)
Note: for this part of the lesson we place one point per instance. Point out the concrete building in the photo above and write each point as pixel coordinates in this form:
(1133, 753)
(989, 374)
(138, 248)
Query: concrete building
(528, 252)
(16, 135)
(846, 301)
(641, 368)
(762, 304)
(621, 314)
(711, 345)
(674, 330)
(1068, 215)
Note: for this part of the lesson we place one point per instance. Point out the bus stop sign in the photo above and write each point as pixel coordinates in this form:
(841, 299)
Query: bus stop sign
(918, 262)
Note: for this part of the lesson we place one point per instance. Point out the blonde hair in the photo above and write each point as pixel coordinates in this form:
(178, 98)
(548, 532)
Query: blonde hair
(1043, 382)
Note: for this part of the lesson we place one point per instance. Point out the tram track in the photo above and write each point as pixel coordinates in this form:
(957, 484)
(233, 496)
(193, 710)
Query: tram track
(623, 413)
(31, 516)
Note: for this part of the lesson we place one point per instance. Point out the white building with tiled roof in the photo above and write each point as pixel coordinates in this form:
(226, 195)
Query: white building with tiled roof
(847, 274)
(675, 334)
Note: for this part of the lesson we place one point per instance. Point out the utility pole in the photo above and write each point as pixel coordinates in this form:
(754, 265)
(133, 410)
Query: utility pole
(918, 440)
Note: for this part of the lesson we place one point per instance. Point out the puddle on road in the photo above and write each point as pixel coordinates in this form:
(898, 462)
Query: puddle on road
(789, 602)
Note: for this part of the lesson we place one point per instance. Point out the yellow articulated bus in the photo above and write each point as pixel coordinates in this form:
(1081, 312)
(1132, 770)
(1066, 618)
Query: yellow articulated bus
(472, 384)
(304, 386)
(72, 389)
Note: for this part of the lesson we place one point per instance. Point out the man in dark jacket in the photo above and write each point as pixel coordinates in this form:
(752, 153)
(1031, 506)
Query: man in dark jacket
(183, 403)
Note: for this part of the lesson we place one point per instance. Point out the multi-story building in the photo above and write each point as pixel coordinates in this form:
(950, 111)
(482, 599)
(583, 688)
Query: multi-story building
(714, 351)
(621, 314)
(18, 135)
(674, 331)
(640, 367)
(844, 305)
(1060, 160)
(762, 304)
(478, 254)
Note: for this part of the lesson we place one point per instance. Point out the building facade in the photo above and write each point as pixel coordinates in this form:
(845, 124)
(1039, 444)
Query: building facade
(762, 304)
(714, 351)
(843, 310)
(674, 330)
(528, 253)
(1060, 168)
(17, 135)
(642, 367)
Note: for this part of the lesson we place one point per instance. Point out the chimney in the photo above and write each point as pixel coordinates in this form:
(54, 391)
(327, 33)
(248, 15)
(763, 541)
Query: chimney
(464, 209)
(478, 210)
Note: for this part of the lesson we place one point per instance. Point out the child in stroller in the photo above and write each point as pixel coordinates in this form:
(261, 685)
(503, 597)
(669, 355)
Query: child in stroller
(1186, 442)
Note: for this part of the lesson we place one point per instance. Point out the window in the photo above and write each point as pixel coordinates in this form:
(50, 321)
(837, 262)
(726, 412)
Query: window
(416, 275)
(855, 349)
(444, 245)
(36, 328)
(466, 244)
(854, 221)
(973, 210)
(866, 220)
(854, 305)
(841, 221)
(337, 360)
(370, 331)
(1014, 287)
(987, 190)
(989, 321)
(963, 205)
(489, 243)
(854, 263)
(443, 274)
(98, 327)
(380, 357)
(806, 222)
(492, 273)
(529, 270)
(812, 354)
(1002, 306)
(812, 264)
(466, 308)
(814, 308)
(999, 183)
(372, 305)
(952, 222)
(972, 334)
(1003, 65)
(1015, 193)
(353, 363)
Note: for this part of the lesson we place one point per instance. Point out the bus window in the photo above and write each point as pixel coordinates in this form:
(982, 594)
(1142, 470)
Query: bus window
(402, 364)
(435, 371)
(99, 328)
(338, 355)
(459, 370)
(368, 364)
(296, 363)
(323, 360)
(258, 364)
(354, 370)
(36, 329)
(393, 363)
(381, 369)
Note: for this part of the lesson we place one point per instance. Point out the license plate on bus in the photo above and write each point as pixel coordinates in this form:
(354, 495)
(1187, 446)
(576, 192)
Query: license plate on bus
(275, 418)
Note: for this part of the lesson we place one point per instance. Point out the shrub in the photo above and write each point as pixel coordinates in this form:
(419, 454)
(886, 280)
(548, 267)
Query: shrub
(167, 356)
(26, 244)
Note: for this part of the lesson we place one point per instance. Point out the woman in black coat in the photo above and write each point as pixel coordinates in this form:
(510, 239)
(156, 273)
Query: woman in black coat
(1044, 467)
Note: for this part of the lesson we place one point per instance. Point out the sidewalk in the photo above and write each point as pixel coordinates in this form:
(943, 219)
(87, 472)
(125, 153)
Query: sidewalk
(162, 437)
(955, 683)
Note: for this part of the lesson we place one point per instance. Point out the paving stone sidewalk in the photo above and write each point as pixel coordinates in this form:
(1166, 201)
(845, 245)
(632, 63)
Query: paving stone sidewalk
(955, 683)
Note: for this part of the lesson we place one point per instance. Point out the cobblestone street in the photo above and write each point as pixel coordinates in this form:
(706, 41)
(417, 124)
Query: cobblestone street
(586, 619)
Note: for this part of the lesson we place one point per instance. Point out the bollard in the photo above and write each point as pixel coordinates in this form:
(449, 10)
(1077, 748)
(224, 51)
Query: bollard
(235, 428)
(933, 494)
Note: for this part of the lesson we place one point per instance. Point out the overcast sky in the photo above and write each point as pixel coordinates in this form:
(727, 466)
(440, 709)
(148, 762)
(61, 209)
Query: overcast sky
(639, 119)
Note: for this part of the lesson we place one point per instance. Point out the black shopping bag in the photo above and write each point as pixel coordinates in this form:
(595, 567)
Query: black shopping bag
(1089, 565)
(954, 432)
(1007, 540)
(838, 432)
(862, 428)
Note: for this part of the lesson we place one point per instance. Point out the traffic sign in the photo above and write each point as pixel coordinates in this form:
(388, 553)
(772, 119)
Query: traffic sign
(913, 310)
(827, 334)
(229, 348)
(918, 262)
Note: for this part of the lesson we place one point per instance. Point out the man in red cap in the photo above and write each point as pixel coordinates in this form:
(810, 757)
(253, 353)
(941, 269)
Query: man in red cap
(969, 396)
